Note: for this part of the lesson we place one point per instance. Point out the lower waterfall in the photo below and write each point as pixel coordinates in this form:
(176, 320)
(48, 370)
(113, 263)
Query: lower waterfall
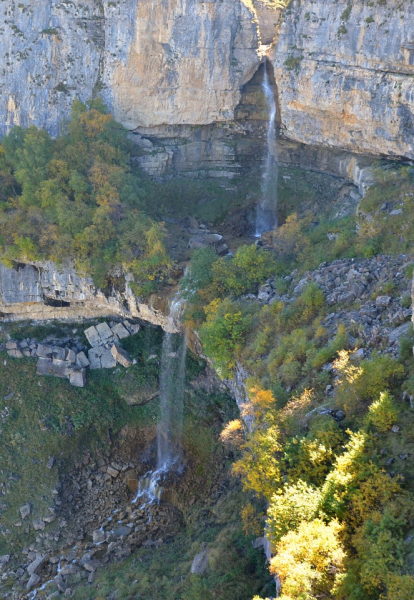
(170, 423)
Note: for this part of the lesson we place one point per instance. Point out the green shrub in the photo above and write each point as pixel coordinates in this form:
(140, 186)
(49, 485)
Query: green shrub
(383, 413)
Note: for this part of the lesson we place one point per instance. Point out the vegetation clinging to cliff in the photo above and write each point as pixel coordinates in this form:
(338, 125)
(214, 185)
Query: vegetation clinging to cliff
(77, 197)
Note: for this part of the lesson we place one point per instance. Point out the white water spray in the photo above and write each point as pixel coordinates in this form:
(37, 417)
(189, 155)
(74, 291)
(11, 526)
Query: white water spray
(266, 216)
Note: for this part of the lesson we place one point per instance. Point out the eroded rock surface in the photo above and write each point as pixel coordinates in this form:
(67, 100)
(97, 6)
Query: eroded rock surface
(153, 63)
(344, 73)
(46, 291)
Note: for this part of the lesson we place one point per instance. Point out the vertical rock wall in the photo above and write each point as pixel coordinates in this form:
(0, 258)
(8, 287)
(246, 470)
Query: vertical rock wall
(153, 63)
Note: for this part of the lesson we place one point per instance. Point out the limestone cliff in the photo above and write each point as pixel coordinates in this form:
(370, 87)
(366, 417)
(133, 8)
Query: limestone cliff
(153, 62)
(344, 71)
(47, 291)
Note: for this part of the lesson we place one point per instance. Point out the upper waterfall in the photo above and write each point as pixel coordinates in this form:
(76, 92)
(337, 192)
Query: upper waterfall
(266, 216)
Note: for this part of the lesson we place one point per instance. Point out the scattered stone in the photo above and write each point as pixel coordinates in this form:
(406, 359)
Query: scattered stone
(50, 462)
(120, 331)
(121, 356)
(395, 429)
(34, 580)
(25, 511)
(199, 563)
(4, 559)
(38, 524)
(78, 378)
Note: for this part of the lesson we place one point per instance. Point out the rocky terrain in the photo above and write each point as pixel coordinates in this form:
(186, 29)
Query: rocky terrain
(70, 361)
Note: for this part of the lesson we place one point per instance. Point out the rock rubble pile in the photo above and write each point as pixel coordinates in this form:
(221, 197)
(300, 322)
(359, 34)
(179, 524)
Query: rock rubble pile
(70, 361)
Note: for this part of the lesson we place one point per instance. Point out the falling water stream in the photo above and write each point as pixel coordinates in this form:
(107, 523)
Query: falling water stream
(266, 215)
(169, 429)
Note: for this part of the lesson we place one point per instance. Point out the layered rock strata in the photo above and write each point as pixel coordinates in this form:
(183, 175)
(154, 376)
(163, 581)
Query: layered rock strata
(46, 291)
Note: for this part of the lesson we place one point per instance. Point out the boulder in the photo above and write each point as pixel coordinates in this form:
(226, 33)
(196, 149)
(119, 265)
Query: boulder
(382, 301)
(133, 328)
(36, 564)
(120, 331)
(44, 351)
(71, 356)
(92, 336)
(112, 472)
(33, 582)
(200, 562)
(11, 345)
(58, 353)
(38, 525)
(81, 360)
(107, 359)
(104, 331)
(15, 353)
(78, 378)
(358, 354)
(98, 536)
(54, 368)
(121, 356)
(25, 510)
(122, 531)
(94, 356)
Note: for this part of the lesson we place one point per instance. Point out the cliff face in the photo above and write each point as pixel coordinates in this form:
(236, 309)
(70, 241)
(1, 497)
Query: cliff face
(345, 75)
(153, 63)
(46, 291)
(344, 71)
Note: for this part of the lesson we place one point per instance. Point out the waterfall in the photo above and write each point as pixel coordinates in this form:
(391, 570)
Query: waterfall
(266, 216)
(170, 423)
(172, 375)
